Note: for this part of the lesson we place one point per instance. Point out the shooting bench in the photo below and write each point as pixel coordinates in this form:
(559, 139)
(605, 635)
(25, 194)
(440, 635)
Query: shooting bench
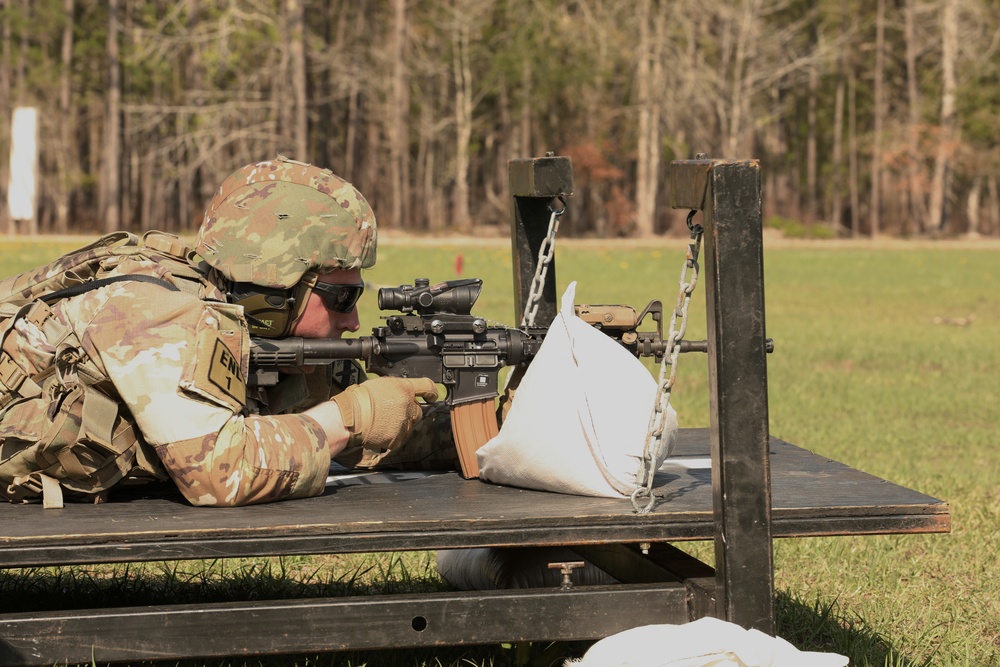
(732, 483)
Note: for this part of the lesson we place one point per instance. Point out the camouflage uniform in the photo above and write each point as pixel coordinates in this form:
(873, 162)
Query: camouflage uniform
(177, 360)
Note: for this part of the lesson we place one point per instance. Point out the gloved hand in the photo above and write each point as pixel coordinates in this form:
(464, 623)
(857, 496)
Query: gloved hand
(380, 413)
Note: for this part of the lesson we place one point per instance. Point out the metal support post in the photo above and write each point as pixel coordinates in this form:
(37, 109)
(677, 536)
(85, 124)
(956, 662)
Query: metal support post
(729, 195)
(534, 183)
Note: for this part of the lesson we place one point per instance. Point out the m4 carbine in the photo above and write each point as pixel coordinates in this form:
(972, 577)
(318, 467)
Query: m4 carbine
(435, 335)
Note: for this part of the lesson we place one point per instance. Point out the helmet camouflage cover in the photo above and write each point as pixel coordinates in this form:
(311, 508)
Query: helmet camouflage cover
(272, 222)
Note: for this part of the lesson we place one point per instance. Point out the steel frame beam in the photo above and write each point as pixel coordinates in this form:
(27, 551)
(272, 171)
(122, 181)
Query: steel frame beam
(728, 193)
(339, 624)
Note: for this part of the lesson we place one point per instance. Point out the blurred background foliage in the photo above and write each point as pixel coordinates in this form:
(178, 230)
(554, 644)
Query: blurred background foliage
(870, 117)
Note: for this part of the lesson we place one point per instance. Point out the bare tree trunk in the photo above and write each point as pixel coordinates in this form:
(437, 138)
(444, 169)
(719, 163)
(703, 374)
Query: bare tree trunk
(6, 225)
(739, 94)
(129, 142)
(135, 182)
(434, 205)
(812, 170)
(916, 210)
(110, 188)
(67, 147)
(647, 141)
(776, 180)
(282, 113)
(363, 137)
(946, 137)
(837, 191)
(656, 128)
(20, 85)
(201, 178)
(397, 113)
(182, 182)
(326, 126)
(369, 163)
(22, 56)
(496, 189)
(462, 72)
(837, 158)
(852, 140)
(524, 146)
(351, 135)
(146, 187)
(875, 208)
(297, 55)
(424, 159)
(973, 206)
(993, 208)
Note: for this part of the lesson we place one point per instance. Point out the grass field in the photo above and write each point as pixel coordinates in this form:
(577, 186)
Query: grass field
(887, 358)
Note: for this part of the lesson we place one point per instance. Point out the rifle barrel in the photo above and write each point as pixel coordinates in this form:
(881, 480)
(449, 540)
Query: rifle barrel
(292, 352)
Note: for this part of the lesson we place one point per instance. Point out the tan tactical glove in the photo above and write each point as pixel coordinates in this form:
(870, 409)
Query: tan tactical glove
(380, 413)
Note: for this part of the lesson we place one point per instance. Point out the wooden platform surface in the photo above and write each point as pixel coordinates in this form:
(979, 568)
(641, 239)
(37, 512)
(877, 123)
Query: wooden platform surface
(811, 495)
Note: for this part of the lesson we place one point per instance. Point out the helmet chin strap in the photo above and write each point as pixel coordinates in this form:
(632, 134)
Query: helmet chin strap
(300, 299)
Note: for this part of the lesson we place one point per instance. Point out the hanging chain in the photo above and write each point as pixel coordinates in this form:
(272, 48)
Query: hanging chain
(545, 253)
(678, 326)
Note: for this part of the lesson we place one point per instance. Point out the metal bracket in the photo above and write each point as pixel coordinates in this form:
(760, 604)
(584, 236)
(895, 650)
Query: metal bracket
(566, 569)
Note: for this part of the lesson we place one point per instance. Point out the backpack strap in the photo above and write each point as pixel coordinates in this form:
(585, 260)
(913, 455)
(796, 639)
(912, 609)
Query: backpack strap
(166, 243)
(76, 290)
(14, 382)
(35, 485)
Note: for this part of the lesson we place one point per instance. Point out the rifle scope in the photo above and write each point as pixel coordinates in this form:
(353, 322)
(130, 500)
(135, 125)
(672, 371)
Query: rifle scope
(452, 296)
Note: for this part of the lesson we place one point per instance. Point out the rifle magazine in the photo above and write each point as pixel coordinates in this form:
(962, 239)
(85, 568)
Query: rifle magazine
(473, 424)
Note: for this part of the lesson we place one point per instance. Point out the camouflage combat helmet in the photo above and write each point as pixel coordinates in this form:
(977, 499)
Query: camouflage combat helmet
(271, 222)
(273, 226)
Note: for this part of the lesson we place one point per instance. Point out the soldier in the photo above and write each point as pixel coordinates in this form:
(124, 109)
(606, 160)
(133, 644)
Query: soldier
(144, 373)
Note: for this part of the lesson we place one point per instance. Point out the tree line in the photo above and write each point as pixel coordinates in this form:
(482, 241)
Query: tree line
(869, 116)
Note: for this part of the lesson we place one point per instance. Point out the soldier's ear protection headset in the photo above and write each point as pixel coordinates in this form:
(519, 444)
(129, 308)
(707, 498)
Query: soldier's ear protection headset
(272, 312)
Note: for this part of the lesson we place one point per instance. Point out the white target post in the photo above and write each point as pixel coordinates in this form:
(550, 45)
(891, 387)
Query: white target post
(22, 189)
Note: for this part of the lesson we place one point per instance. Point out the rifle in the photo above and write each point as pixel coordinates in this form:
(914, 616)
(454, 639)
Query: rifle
(435, 335)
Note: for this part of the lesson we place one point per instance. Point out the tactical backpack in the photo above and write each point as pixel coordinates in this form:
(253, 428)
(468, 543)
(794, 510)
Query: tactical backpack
(64, 431)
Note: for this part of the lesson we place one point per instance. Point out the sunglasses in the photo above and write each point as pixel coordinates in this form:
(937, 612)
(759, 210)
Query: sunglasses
(339, 298)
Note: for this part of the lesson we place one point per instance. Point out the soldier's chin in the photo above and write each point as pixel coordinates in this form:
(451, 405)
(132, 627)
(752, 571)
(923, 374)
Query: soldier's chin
(297, 370)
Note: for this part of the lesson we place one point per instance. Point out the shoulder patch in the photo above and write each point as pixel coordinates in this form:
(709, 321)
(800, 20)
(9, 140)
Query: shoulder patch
(224, 372)
(218, 373)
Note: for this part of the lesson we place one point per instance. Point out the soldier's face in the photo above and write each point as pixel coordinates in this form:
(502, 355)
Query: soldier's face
(318, 321)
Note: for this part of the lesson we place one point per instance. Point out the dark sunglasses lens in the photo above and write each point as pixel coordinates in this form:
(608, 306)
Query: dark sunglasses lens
(340, 298)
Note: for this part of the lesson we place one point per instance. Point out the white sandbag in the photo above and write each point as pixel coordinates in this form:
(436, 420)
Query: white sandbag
(579, 420)
(707, 642)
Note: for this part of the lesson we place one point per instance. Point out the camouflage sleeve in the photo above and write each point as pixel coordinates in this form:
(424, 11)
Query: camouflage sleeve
(179, 365)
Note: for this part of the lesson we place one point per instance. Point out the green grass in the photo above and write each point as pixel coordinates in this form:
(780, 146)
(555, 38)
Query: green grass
(872, 367)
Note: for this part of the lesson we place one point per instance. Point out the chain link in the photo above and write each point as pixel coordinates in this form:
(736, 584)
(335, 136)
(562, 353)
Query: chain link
(545, 253)
(665, 384)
